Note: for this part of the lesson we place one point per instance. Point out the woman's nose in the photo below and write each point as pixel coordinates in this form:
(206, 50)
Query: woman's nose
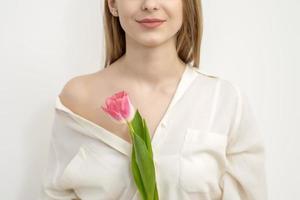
(150, 4)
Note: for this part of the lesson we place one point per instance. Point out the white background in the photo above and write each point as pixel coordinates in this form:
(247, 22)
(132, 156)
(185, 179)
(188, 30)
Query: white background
(252, 43)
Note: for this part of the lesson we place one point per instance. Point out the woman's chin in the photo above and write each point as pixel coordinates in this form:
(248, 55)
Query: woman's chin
(151, 42)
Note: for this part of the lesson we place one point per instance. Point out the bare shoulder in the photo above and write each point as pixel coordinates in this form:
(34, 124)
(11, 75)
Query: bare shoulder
(74, 91)
(79, 90)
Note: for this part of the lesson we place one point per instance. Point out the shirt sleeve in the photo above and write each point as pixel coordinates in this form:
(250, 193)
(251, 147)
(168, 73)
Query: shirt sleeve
(53, 187)
(244, 177)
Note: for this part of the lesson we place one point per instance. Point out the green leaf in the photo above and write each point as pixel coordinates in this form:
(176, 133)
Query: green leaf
(137, 125)
(147, 138)
(137, 176)
(156, 193)
(142, 159)
(145, 165)
(140, 127)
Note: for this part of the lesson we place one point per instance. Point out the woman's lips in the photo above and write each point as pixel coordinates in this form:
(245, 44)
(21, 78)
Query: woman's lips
(151, 24)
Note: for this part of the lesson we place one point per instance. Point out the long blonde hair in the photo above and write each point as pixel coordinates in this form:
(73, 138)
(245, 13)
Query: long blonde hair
(188, 37)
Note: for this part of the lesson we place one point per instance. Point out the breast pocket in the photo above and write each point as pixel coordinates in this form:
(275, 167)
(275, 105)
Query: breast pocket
(201, 162)
(91, 172)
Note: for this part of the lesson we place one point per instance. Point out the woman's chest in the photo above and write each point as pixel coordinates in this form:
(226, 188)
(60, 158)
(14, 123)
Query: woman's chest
(152, 107)
(189, 161)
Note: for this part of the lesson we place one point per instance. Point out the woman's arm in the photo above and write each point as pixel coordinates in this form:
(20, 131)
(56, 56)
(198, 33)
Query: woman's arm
(245, 177)
(53, 187)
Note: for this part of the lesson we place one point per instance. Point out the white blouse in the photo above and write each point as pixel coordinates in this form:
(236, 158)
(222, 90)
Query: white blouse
(206, 147)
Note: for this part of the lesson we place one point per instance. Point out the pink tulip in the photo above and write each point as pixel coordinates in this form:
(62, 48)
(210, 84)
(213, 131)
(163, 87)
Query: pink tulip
(119, 107)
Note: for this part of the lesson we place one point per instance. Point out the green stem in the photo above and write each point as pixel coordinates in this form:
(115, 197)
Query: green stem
(131, 130)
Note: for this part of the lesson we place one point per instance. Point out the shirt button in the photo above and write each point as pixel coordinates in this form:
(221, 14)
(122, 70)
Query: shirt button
(163, 124)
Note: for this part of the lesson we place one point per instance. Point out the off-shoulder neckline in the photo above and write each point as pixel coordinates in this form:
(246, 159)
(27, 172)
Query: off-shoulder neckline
(97, 131)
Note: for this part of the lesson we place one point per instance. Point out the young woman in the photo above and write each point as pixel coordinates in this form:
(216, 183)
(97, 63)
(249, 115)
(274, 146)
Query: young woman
(205, 140)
